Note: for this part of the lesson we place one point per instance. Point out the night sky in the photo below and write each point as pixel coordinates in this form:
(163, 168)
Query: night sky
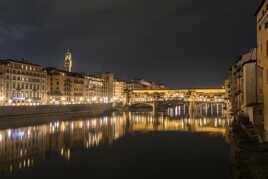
(182, 43)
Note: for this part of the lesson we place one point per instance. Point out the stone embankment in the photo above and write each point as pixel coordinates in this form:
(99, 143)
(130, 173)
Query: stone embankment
(12, 116)
(249, 152)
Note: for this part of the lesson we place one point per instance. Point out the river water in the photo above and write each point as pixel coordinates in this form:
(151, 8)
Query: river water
(121, 145)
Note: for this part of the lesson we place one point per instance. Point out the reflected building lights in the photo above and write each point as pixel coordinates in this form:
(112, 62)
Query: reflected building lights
(20, 147)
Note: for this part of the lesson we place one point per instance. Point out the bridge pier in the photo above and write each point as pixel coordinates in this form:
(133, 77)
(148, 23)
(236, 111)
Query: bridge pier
(154, 108)
(206, 109)
(211, 109)
(202, 108)
(217, 109)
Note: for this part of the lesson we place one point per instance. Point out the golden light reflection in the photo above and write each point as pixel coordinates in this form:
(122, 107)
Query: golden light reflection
(23, 147)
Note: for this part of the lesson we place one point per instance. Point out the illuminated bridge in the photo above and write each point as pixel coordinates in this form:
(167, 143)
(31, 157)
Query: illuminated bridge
(193, 100)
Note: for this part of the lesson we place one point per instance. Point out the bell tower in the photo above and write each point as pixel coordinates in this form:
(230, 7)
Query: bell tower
(68, 63)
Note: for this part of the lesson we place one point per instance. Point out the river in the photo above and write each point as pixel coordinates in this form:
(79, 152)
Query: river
(121, 145)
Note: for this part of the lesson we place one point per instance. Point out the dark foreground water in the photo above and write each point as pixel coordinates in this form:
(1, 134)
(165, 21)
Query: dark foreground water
(125, 145)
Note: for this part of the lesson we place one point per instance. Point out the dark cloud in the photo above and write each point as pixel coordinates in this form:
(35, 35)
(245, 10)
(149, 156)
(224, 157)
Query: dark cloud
(14, 32)
(184, 43)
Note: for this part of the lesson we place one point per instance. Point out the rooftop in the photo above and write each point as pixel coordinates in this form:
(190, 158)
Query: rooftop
(50, 69)
(260, 6)
(22, 61)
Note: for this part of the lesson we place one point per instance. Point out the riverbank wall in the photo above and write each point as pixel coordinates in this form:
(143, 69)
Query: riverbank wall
(249, 153)
(18, 111)
(17, 115)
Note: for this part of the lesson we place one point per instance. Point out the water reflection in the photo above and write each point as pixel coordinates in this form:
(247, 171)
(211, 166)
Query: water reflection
(25, 147)
(197, 110)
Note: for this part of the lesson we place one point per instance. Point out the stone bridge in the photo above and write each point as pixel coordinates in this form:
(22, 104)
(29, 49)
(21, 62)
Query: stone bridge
(195, 100)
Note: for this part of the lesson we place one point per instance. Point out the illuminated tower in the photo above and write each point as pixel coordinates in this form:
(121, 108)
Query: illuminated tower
(68, 63)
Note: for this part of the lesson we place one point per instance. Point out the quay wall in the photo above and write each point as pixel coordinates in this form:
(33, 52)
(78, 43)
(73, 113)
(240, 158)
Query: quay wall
(20, 111)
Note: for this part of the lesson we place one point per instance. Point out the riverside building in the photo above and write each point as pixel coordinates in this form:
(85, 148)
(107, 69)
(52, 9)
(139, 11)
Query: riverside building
(108, 85)
(22, 83)
(228, 94)
(119, 91)
(25, 83)
(94, 89)
(262, 54)
(145, 84)
(65, 87)
(246, 89)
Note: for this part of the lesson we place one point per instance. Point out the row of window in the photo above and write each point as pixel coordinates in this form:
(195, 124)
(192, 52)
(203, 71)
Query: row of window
(21, 86)
(80, 81)
(24, 67)
(20, 78)
(27, 73)
(28, 94)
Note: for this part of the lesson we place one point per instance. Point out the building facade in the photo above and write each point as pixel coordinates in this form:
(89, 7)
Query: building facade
(262, 53)
(246, 91)
(144, 84)
(108, 85)
(119, 92)
(228, 94)
(22, 83)
(94, 89)
(25, 83)
(65, 87)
